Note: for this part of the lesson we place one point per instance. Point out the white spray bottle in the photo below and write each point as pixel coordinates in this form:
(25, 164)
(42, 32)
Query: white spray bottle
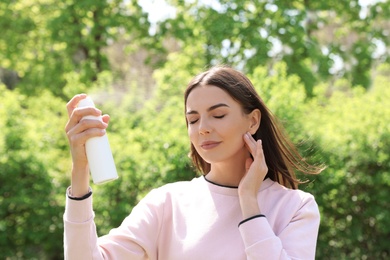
(99, 155)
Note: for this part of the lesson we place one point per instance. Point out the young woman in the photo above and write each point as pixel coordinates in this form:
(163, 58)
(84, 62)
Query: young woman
(245, 206)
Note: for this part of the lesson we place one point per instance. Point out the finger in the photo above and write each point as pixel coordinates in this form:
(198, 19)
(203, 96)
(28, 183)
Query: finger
(78, 114)
(250, 143)
(72, 104)
(84, 130)
(259, 150)
(106, 118)
(259, 154)
(82, 137)
(84, 125)
(248, 163)
(259, 159)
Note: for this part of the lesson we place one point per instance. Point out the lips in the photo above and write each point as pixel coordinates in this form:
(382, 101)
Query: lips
(207, 145)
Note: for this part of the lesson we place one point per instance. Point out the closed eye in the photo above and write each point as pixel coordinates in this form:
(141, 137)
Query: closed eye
(219, 116)
(193, 121)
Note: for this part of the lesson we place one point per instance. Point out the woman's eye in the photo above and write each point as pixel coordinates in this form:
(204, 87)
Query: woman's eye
(219, 116)
(192, 122)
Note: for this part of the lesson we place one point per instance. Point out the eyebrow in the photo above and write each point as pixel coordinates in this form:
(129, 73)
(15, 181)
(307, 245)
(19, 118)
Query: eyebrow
(209, 109)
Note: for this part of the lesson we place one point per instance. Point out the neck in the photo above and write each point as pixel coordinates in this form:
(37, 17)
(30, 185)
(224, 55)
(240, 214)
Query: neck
(229, 172)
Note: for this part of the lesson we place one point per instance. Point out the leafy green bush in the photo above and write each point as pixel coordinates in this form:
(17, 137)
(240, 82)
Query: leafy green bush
(348, 129)
(345, 127)
(352, 132)
(30, 173)
(150, 147)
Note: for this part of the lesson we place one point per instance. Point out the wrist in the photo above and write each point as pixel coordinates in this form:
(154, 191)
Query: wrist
(249, 206)
(72, 197)
(80, 180)
(250, 218)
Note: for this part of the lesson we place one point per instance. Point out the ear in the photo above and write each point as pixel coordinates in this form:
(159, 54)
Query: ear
(254, 121)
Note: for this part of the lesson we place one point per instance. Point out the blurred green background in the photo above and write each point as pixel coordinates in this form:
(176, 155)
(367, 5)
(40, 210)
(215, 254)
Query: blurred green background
(323, 67)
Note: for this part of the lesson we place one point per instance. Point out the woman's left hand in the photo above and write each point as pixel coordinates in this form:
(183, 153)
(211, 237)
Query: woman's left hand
(256, 169)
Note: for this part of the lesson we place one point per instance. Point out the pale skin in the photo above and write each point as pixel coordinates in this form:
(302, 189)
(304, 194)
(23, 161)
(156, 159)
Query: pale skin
(231, 163)
(78, 133)
(213, 115)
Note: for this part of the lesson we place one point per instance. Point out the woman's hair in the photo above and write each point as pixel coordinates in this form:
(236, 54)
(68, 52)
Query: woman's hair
(281, 155)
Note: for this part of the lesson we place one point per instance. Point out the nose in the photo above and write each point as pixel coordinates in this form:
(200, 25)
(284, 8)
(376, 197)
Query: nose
(204, 127)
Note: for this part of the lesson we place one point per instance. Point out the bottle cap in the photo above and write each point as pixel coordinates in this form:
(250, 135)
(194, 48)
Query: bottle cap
(86, 102)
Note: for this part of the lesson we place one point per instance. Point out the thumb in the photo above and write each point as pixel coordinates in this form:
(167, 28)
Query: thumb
(248, 164)
(106, 118)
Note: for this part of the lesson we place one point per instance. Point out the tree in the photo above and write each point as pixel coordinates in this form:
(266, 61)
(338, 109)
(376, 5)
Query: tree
(59, 49)
(30, 158)
(150, 145)
(352, 132)
(46, 40)
(346, 128)
(311, 37)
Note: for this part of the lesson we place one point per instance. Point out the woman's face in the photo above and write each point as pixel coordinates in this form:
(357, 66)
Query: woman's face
(216, 124)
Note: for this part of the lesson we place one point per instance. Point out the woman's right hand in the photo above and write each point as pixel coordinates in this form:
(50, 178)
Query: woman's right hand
(78, 132)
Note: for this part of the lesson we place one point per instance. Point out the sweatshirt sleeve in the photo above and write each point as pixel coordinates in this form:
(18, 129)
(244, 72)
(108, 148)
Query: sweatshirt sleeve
(80, 237)
(135, 238)
(297, 240)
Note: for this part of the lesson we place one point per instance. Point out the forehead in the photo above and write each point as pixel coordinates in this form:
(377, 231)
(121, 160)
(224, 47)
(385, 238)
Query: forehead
(207, 96)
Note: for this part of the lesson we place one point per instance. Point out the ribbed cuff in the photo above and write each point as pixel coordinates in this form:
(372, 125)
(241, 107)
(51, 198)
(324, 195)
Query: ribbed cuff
(86, 196)
(250, 218)
(78, 209)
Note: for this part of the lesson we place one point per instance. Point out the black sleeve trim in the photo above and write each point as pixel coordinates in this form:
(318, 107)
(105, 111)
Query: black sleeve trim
(250, 218)
(86, 196)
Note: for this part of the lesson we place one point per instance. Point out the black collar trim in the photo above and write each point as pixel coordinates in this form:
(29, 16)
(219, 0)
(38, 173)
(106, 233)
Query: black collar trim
(220, 185)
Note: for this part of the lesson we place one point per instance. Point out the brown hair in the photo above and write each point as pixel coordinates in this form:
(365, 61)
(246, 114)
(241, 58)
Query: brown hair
(281, 155)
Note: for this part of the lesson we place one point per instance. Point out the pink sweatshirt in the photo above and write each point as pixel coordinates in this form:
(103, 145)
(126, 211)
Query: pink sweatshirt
(199, 220)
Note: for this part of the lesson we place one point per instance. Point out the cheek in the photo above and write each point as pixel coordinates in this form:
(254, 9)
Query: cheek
(191, 133)
(237, 131)
(237, 136)
(239, 140)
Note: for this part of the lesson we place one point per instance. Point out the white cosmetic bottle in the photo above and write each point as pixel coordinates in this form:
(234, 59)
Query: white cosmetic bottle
(99, 155)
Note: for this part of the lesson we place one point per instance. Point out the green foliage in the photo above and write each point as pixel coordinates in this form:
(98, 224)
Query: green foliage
(178, 71)
(150, 147)
(275, 86)
(344, 127)
(57, 49)
(348, 129)
(45, 41)
(306, 35)
(30, 213)
(352, 131)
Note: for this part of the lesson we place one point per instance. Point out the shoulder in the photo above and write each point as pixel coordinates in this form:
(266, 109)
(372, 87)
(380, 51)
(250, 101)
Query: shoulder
(291, 199)
(297, 194)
